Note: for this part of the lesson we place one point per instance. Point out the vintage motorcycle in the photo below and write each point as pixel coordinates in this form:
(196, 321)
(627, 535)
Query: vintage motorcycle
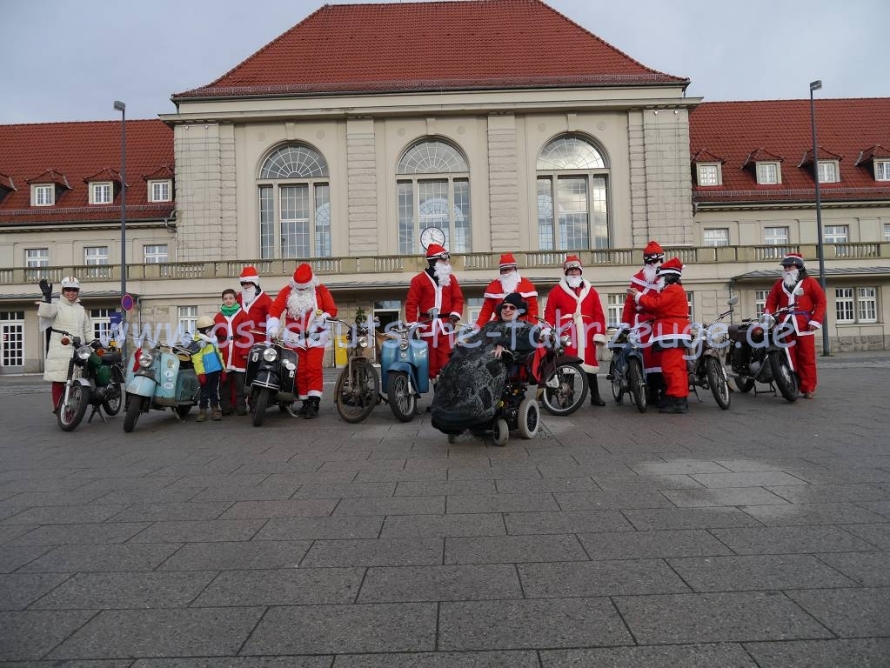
(704, 364)
(404, 370)
(562, 382)
(757, 354)
(158, 378)
(357, 390)
(271, 378)
(94, 379)
(626, 370)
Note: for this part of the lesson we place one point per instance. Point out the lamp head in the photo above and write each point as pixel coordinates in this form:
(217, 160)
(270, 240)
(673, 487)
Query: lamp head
(120, 106)
(816, 85)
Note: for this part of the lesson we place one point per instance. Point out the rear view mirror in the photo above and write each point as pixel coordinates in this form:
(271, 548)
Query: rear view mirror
(733, 300)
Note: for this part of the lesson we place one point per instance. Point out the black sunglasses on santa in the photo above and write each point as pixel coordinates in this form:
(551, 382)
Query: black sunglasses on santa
(653, 259)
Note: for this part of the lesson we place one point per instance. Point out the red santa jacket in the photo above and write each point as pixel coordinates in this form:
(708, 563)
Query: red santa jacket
(233, 334)
(305, 330)
(258, 310)
(633, 313)
(494, 295)
(579, 312)
(671, 311)
(425, 294)
(808, 307)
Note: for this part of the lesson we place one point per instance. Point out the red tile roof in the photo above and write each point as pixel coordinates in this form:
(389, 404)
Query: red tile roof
(422, 46)
(78, 151)
(845, 128)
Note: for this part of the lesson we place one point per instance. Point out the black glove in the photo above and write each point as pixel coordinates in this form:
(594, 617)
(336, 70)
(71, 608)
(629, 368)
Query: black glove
(47, 289)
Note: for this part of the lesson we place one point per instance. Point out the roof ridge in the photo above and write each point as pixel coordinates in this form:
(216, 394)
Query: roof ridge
(58, 123)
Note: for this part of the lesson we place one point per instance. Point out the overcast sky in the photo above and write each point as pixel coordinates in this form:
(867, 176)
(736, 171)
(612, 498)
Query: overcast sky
(67, 61)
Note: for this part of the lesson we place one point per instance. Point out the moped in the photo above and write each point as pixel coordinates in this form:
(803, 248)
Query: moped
(158, 378)
(626, 370)
(357, 391)
(704, 365)
(562, 382)
(271, 377)
(94, 379)
(404, 370)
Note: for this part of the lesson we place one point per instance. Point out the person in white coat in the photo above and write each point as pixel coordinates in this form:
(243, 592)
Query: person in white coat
(65, 313)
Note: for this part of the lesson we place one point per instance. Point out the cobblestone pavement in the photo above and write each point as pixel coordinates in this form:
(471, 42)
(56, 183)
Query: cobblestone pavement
(754, 537)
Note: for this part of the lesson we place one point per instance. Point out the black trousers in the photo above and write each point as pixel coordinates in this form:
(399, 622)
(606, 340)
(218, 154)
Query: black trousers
(210, 391)
(233, 385)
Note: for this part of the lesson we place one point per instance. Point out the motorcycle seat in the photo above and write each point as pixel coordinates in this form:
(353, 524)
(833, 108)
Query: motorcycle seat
(111, 358)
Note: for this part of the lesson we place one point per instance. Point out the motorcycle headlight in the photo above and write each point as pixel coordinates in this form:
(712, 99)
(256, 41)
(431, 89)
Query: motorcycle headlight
(270, 354)
(290, 366)
(565, 340)
(767, 321)
(362, 342)
(145, 359)
(634, 338)
(83, 353)
(403, 343)
(695, 331)
(719, 337)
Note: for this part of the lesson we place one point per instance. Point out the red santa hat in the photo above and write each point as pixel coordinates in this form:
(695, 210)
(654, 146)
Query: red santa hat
(302, 277)
(653, 251)
(795, 259)
(435, 252)
(507, 260)
(572, 262)
(672, 266)
(249, 275)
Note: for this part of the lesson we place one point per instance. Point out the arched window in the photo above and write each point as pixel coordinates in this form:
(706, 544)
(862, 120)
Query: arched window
(295, 204)
(572, 173)
(433, 186)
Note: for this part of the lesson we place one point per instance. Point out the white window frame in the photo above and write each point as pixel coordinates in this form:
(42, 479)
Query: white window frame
(829, 171)
(769, 173)
(882, 170)
(886, 232)
(760, 302)
(772, 238)
(101, 192)
(160, 190)
(43, 194)
(844, 306)
(152, 254)
(95, 255)
(710, 237)
(36, 259)
(707, 172)
(836, 234)
(101, 319)
(187, 322)
(12, 339)
(614, 309)
(867, 304)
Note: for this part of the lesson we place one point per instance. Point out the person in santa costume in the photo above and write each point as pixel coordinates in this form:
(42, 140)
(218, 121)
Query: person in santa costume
(232, 331)
(574, 307)
(253, 300)
(670, 332)
(806, 318)
(646, 281)
(508, 282)
(436, 289)
(300, 312)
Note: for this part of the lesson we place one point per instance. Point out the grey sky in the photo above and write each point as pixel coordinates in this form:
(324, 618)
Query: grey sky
(68, 61)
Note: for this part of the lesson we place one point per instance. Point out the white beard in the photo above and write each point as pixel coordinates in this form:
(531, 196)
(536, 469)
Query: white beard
(659, 283)
(247, 296)
(789, 277)
(509, 282)
(650, 272)
(442, 273)
(299, 302)
(574, 281)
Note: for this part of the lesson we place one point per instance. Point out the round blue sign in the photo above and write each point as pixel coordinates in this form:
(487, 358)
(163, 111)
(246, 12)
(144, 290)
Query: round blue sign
(127, 302)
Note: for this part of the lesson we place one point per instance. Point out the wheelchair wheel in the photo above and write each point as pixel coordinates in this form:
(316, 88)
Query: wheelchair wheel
(501, 433)
(529, 418)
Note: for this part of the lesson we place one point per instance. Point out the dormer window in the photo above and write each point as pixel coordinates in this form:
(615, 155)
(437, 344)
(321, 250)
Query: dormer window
(877, 158)
(160, 190)
(829, 171)
(43, 194)
(709, 174)
(882, 170)
(101, 193)
(769, 173)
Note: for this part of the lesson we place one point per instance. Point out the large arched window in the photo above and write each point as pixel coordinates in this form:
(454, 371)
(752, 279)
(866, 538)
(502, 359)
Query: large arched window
(295, 204)
(433, 185)
(572, 173)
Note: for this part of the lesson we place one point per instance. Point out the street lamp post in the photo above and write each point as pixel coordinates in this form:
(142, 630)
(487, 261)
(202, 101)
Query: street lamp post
(121, 107)
(814, 86)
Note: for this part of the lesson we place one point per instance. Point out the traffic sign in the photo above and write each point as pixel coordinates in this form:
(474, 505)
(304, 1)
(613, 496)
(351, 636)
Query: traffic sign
(127, 302)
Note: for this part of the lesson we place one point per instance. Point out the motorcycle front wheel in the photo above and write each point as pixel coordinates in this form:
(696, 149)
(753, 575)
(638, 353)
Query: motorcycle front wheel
(71, 412)
(401, 400)
(637, 382)
(617, 390)
(134, 408)
(261, 402)
(717, 381)
(785, 378)
(114, 398)
(565, 389)
(357, 391)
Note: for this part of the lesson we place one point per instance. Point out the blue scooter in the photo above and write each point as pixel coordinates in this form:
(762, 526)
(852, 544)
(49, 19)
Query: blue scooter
(404, 370)
(159, 378)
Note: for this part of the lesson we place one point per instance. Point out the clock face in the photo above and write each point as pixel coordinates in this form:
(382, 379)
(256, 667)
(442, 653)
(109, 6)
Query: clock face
(432, 235)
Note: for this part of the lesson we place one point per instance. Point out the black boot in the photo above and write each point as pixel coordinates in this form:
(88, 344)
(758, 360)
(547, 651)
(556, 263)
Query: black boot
(675, 405)
(304, 408)
(595, 399)
(312, 411)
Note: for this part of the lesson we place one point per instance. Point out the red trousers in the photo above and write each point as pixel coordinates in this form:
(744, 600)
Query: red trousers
(803, 357)
(310, 377)
(440, 346)
(673, 368)
(58, 392)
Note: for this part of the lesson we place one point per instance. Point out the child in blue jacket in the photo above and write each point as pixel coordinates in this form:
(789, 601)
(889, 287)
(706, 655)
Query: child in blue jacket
(208, 362)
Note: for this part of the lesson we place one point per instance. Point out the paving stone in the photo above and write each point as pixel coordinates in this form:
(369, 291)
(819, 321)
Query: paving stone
(612, 500)
(747, 479)
(812, 513)
(113, 557)
(628, 483)
(64, 514)
(400, 476)
(302, 586)
(352, 490)
(446, 488)
(869, 569)
(723, 655)
(512, 549)
(789, 540)
(849, 613)
(238, 662)
(474, 524)
(880, 507)
(18, 591)
(384, 627)
(501, 503)
(759, 572)
(871, 653)
(80, 534)
(158, 512)
(30, 634)
(440, 583)
(876, 534)
(493, 625)
(149, 496)
(440, 660)
(244, 493)
(377, 552)
(652, 544)
(13, 557)
(159, 633)
(237, 556)
(566, 470)
(218, 480)
(537, 486)
(195, 531)
(828, 493)
(126, 590)
(286, 508)
(75, 497)
(649, 519)
(403, 505)
(566, 522)
(678, 466)
(311, 528)
(727, 617)
(731, 496)
(599, 578)
(504, 472)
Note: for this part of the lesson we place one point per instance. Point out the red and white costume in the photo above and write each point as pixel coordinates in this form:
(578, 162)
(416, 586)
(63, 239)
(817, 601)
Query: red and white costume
(234, 338)
(502, 286)
(300, 311)
(255, 307)
(809, 309)
(579, 312)
(634, 314)
(427, 292)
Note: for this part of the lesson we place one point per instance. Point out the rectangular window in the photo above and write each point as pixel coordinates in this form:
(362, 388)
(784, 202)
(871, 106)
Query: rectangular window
(836, 234)
(159, 191)
(100, 193)
(101, 318)
(882, 170)
(12, 339)
(406, 217)
(573, 215)
(716, 237)
(767, 173)
(43, 195)
(828, 172)
(187, 321)
(760, 301)
(35, 259)
(546, 240)
(462, 243)
(774, 236)
(267, 223)
(322, 220)
(886, 232)
(709, 175)
(614, 309)
(867, 304)
(473, 306)
(294, 201)
(93, 255)
(155, 254)
(844, 305)
(856, 305)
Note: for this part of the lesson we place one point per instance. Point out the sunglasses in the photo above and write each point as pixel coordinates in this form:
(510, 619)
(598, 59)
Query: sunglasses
(653, 260)
(70, 289)
(507, 270)
(507, 307)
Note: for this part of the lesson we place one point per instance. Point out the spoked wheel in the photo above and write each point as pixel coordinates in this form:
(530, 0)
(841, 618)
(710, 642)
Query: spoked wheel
(717, 381)
(259, 406)
(565, 389)
(401, 400)
(529, 418)
(501, 433)
(637, 382)
(617, 391)
(357, 391)
(71, 412)
(134, 408)
(743, 385)
(113, 399)
(786, 379)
